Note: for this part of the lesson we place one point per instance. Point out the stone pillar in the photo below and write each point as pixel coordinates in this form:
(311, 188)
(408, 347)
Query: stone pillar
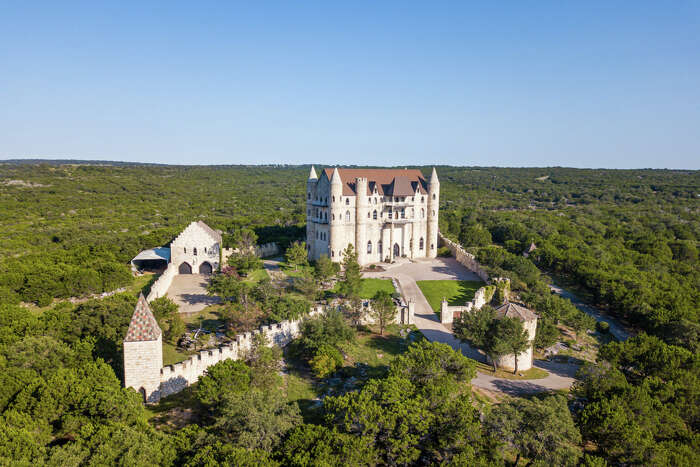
(411, 312)
(446, 316)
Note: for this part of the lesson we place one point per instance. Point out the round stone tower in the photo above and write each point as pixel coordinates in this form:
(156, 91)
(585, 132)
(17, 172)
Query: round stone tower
(336, 218)
(310, 193)
(433, 210)
(362, 212)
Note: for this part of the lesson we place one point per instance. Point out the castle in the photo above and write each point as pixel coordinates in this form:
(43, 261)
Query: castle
(384, 213)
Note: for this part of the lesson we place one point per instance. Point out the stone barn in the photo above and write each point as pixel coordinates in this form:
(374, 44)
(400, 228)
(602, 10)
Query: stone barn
(197, 250)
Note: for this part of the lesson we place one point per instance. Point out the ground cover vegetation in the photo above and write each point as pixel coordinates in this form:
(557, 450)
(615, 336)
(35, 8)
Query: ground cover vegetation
(628, 239)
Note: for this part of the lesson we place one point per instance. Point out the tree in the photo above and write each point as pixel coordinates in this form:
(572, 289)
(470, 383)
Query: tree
(325, 269)
(163, 307)
(352, 279)
(296, 255)
(355, 309)
(225, 377)
(506, 336)
(244, 262)
(329, 328)
(308, 445)
(475, 235)
(547, 333)
(541, 430)
(265, 364)
(176, 328)
(307, 285)
(383, 310)
(472, 327)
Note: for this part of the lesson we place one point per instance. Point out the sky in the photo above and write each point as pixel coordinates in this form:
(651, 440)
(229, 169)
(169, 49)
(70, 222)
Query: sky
(574, 83)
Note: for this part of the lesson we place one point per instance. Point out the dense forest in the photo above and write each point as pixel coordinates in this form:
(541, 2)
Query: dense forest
(627, 240)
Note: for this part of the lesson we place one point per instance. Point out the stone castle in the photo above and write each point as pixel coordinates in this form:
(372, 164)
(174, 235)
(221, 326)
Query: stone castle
(383, 213)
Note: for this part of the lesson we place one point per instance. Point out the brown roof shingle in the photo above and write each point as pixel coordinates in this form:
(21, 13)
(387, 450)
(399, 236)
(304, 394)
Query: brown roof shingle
(385, 180)
(513, 310)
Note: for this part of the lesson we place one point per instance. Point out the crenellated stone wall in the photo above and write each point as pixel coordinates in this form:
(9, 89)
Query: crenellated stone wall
(464, 258)
(481, 298)
(163, 283)
(174, 378)
(263, 251)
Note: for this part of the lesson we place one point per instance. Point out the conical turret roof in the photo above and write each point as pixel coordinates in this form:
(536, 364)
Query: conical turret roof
(312, 174)
(434, 177)
(335, 178)
(143, 325)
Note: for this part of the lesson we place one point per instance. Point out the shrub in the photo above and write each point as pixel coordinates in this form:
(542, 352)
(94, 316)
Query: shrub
(603, 327)
(325, 361)
(444, 252)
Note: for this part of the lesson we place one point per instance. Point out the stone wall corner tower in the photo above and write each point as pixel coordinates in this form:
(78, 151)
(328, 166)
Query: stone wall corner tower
(143, 352)
(433, 209)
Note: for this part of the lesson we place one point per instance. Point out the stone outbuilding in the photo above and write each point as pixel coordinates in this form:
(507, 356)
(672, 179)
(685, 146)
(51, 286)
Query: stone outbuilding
(529, 320)
(197, 250)
(143, 352)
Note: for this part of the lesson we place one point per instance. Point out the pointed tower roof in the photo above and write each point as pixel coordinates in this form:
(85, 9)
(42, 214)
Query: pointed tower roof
(312, 174)
(513, 310)
(335, 178)
(434, 177)
(143, 325)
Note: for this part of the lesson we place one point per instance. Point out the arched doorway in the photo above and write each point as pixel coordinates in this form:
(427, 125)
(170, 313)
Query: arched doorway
(185, 269)
(397, 250)
(205, 268)
(142, 391)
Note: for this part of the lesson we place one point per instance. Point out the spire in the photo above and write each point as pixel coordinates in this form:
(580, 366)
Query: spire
(143, 325)
(434, 177)
(312, 174)
(335, 178)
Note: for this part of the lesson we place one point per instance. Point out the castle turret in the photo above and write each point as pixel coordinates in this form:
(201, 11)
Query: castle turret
(143, 352)
(337, 205)
(311, 183)
(361, 216)
(433, 208)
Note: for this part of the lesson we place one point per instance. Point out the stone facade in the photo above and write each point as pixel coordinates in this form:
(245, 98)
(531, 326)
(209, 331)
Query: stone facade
(197, 250)
(383, 213)
(143, 355)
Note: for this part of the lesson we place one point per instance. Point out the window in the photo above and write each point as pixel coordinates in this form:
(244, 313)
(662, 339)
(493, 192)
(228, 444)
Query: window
(205, 249)
(332, 253)
(347, 201)
(413, 213)
(433, 212)
(347, 216)
(374, 215)
(379, 248)
(432, 246)
(368, 215)
(422, 213)
(194, 251)
(433, 195)
(184, 249)
(308, 195)
(410, 244)
(332, 216)
(403, 214)
(334, 199)
(308, 212)
(422, 199)
(420, 244)
(369, 247)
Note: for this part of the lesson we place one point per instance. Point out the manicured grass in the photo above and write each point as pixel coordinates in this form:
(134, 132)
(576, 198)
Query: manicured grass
(370, 287)
(532, 373)
(209, 318)
(456, 292)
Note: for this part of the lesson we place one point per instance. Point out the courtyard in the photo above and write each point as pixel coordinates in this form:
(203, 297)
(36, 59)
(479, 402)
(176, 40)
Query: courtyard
(189, 292)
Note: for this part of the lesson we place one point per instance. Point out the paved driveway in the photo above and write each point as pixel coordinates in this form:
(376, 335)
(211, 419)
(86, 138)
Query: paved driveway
(189, 291)
(560, 375)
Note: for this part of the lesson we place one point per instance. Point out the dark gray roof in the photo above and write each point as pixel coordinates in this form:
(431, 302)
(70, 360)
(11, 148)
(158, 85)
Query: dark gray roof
(513, 310)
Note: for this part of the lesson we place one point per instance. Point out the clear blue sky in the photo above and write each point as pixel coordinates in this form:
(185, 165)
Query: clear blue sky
(570, 83)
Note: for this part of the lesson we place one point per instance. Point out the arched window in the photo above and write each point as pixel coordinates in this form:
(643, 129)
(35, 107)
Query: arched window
(432, 246)
(422, 199)
(347, 216)
(205, 249)
(369, 247)
(308, 195)
(422, 213)
(374, 215)
(420, 244)
(347, 201)
(332, 253)
(379, 249)
(332, 216)
(368, 214)
(184, 249)
(433, 212)
(433, 195)
(334, 199)
(194, 251)
(412, 213)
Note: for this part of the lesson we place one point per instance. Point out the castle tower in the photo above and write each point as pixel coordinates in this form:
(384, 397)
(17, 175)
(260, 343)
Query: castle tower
(336, 219)
(143, 352)
(310, 193)
(362, 210)
(433, 208)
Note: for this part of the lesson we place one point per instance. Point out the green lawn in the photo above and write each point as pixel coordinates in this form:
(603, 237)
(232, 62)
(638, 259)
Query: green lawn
(370, 287)
(256, 276)
(456, 292)
(171, 355)
(532, 373)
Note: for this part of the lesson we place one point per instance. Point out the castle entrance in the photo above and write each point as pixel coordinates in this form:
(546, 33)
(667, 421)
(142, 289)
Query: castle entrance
(397, 250)
(185, 269)
(205, 268)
